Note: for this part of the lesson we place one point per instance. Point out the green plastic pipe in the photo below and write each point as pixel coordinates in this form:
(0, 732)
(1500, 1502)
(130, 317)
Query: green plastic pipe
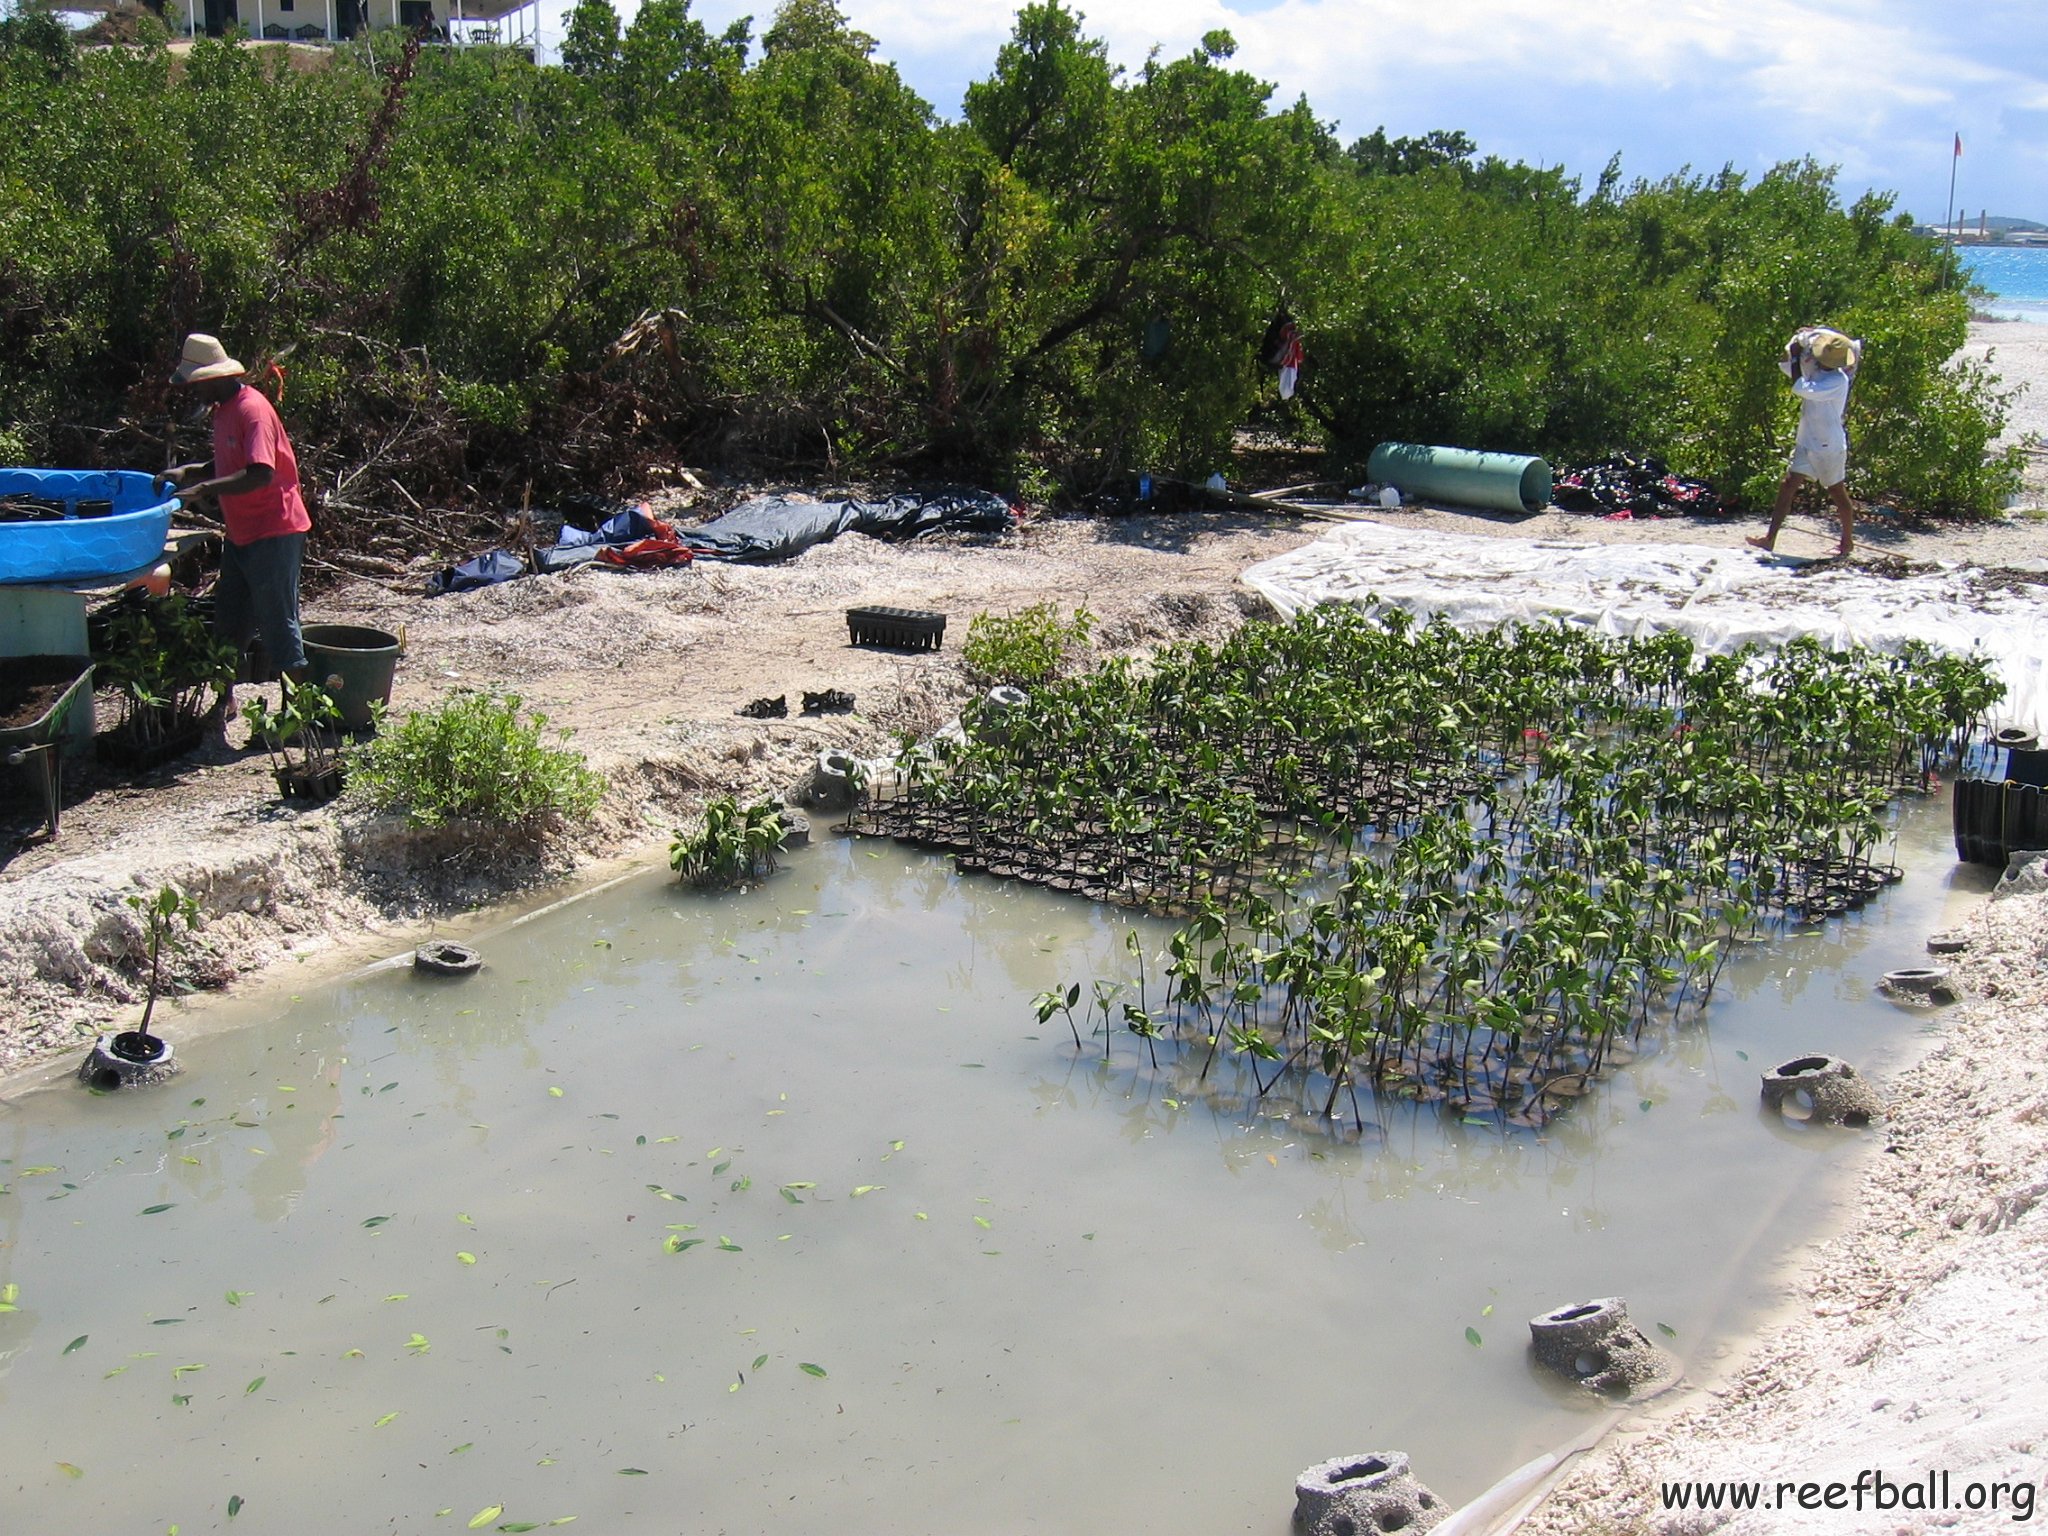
(1510, 482)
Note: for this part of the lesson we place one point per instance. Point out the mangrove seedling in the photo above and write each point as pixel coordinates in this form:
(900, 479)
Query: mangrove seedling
(729, 844)
(159, 912)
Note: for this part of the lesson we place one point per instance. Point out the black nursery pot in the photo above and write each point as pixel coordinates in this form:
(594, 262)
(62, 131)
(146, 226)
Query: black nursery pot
(133, 1045)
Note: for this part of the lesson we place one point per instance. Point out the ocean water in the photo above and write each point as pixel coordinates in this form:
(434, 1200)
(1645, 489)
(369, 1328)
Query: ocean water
(2015, 275)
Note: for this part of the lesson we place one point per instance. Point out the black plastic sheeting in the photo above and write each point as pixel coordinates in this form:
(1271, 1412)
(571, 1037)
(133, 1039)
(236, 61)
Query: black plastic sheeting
(766, 528)
(1636, 485)
(777, 527)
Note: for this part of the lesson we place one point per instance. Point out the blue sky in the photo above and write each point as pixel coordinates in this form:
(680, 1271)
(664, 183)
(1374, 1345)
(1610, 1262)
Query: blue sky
(1876, 87)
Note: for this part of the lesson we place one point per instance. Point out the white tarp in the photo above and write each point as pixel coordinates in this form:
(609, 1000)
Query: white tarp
(1722, 598)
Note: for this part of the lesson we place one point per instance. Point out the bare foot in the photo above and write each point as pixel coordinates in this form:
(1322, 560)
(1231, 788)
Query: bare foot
(1842, 552)
(1761, 541)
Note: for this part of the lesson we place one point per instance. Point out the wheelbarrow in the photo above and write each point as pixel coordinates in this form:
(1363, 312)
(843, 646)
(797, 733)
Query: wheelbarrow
(37, 746)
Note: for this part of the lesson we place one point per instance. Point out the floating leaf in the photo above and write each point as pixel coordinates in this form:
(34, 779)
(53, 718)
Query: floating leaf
(1667, 1330)
(157, 1210)
(117, 1370)
(465, 1258)
(418, 1344)
(376, 1221)
(181, 1398)
(394, 1413)
(790, 1195)
(721, 1167)
(554, 1092)
(895, 1146)
(729, 1245)
(399, 1296)
(521, 1525)
(10, 1293)
(759, 1361)
(464, 1218)
(185, 1370)
(251, 1388)
(76, 1344)
(810, 1370)
(1643, 1105)
(1471, 1335)
(866, 1189)
(484, 1517)
(352, 1354)
(40, 1168)
(983, 1221)
(676, 1243)
(1743, 1054)
(1487, 1310)
(466, 1445)
(234, 1505)
(632, 1471)
(236, 1298)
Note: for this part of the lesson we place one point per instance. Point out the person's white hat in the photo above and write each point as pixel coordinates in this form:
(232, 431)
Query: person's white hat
(205, 358)
(1831, 349)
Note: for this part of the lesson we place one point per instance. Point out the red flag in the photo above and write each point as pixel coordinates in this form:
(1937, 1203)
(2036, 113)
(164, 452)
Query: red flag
(1959, 144)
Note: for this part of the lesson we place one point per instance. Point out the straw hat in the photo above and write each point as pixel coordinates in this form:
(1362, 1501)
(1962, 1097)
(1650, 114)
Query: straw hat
(205, 358)
(1831, 349)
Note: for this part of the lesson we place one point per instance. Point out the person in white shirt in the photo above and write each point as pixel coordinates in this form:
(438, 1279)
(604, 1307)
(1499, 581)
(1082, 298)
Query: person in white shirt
(1822, 365)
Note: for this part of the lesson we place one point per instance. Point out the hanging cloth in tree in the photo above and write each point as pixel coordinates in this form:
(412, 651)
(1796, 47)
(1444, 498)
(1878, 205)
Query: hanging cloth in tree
(1282, 349)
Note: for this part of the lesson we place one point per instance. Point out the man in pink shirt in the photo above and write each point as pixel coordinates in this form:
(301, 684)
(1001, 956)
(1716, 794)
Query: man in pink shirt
(255, 477)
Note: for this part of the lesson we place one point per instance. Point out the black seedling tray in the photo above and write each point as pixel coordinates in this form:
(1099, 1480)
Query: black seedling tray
(906, 629)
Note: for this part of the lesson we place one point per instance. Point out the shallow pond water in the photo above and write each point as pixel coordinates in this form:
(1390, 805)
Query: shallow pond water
(398, 1248)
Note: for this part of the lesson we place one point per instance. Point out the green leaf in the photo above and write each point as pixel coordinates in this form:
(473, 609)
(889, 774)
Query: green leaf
(810, 1370)
(983, 1221)
(866, 1189)
(1667, 1330)
(719, 1168)
(76, 1344)
(1471, 1335)
(70, 1471)
(466, 1445)
(729, 1245)
(236, 1298)
(157, 1210)
(632, 1471)
(465, 1258)
(484, 1517)
(234, 1505)
(250, 1389)
(380, 1423)
(376, 1221)
(554, 1092)
(759, 1361)
(675, 1243)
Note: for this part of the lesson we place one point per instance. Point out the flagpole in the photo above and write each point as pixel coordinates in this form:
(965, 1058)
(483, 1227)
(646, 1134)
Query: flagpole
(1948, 219)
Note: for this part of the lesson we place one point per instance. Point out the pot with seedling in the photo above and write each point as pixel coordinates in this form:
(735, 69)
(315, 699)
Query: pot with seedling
(135, 1058)
(170, 672)
(304, 743)
(730, 845)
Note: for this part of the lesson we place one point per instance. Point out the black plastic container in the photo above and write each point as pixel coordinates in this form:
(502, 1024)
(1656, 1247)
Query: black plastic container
(902, 629)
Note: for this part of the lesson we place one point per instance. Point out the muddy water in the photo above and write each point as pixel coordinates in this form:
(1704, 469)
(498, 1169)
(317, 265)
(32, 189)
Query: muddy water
(397, 1250)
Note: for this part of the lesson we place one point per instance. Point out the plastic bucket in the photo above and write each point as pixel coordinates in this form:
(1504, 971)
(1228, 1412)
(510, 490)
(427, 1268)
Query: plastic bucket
(354, 663)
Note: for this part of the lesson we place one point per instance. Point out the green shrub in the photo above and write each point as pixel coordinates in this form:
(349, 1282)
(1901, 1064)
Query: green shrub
(1025, 648)
(729, 845)
(473, 758)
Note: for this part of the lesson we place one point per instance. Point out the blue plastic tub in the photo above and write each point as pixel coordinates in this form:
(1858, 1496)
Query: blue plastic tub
(74, 548)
